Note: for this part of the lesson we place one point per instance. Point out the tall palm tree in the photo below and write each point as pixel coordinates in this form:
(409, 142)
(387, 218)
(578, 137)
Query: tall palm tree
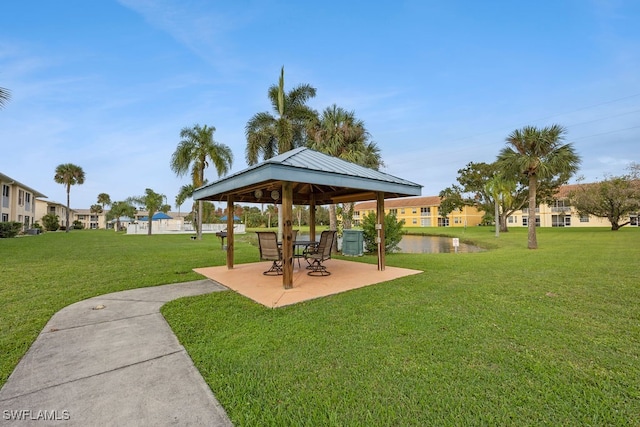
(538, 154)
(196, 151)
(104, 200)
(97, 209)
(269, 135)
(339, 133)
(69, 174)
(152, 202)
(5, 95)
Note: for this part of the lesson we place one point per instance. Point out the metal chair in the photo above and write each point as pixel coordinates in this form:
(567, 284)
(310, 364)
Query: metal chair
(270, 251)
(318, 254)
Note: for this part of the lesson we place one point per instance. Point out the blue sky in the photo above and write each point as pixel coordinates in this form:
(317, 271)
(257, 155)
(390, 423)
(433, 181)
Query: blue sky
(108, 85)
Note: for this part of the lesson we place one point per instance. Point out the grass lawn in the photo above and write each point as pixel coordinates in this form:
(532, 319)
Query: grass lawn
(508, 336)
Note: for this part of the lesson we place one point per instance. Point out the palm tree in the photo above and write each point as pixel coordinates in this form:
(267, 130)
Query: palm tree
(538, 154)
(196, 150)
(340, 134)
(120, 209)
(104, 200)
(69, 174)
(5, 95)
(269, 135)
(152, 202)
(97, 209)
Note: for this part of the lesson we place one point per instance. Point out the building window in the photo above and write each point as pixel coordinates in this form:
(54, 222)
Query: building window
(393, 211)
(27, 199)
(5, 196)
(425, 211)
(425, 222)
(5, 217)
(414, 221)
(511, 220)
(402, 211)
(584, 219)
(80, 217)
(20, 197)
(414, 211)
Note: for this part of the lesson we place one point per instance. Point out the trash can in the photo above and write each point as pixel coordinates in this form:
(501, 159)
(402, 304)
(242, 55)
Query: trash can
(352, 243)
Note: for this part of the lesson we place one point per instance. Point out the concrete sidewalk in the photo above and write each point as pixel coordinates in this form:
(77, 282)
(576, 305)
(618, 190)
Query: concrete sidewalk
(112, 360)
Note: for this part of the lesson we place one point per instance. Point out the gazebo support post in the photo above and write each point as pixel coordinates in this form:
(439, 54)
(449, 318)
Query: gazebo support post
(312, 217)
(230, 232)
(380, 229)
(287, 234)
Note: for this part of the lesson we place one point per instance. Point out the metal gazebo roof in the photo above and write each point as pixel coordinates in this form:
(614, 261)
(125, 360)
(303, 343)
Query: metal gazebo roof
(324, 178)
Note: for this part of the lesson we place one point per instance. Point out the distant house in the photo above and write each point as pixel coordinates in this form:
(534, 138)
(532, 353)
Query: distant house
(90, 220)
(560, 213)
(18, 202)
(46, 207)
(420, 212)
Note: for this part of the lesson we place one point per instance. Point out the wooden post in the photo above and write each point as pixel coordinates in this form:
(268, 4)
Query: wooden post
(230, 232)
(312, 218)
(380, 229)
(287, 234)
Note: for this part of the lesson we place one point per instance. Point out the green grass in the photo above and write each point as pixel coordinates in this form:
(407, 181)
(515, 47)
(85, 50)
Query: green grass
(508, 336)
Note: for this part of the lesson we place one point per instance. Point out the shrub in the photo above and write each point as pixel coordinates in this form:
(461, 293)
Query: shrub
(51, 222)
(10, 229)
(392, 232)
(77, 225)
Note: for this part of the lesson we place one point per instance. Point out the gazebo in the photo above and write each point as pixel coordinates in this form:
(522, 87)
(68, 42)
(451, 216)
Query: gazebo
(305, 177)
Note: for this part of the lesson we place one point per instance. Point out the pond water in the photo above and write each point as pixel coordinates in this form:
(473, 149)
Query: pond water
(433, 245)
(423, 245)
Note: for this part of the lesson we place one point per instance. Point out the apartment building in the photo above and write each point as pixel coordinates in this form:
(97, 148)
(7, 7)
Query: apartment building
(18, 202)
(421, 212)
(45, 207)
(560, 213)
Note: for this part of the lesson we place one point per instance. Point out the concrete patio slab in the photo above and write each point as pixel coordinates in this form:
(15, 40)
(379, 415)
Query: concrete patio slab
(248, 280)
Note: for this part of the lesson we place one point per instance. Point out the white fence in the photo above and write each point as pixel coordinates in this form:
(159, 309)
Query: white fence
(168, 226)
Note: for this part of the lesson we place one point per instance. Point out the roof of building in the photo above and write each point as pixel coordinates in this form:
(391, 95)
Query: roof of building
(403, 202)
(315, 175)
(5, 178)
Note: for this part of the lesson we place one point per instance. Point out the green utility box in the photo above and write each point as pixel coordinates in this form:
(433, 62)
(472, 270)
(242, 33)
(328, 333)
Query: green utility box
(352, 243)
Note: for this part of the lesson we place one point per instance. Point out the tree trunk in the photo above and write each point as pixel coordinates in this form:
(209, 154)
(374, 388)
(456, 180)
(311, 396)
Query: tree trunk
(150, 223)
(333, 225)
(503, 223)
(66, 230)
(496, 216)
(199, 230)
(532, 238)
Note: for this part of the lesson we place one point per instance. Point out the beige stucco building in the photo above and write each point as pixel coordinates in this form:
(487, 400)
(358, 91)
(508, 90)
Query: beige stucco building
(18, 202)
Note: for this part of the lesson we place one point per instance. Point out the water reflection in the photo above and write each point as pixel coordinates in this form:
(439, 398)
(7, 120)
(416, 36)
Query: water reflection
(421, 244)
(433, 245)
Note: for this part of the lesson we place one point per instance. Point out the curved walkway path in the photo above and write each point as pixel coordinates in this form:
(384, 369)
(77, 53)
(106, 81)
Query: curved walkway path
(112, 360)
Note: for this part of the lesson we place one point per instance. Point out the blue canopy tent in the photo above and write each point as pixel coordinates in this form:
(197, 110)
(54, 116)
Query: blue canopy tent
(235, 218)
(156, 216)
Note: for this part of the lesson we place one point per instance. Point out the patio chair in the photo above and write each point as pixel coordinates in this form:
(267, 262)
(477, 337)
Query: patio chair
(316, 255)
(270, 251)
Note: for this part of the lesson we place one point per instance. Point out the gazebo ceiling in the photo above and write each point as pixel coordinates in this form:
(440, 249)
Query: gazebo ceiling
(317, 178)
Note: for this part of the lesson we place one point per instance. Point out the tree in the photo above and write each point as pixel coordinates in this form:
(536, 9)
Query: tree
(152, 202)
(338, 133)
(392, 232)
(98, 209)
(104, 200)
(195, 151)
(268, 135)
(5, 96)
(69, 174)
(614, 198)
(538, 154)
(120, 209)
